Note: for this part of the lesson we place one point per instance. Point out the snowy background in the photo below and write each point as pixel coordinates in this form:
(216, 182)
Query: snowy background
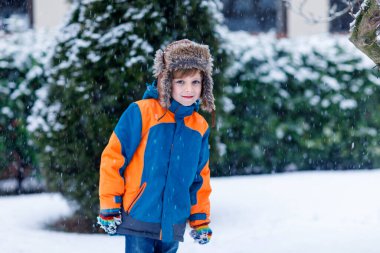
(300, 212)
(313, 212)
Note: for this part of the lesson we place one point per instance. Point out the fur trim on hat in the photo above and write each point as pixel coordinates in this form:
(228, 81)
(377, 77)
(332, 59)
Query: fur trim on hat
(184, 54)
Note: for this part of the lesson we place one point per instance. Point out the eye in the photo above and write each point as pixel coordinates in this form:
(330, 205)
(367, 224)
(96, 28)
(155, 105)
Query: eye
(196, 82)
(179, 82)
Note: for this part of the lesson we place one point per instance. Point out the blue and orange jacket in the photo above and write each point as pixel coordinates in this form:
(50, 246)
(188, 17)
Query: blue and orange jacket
(156, 170)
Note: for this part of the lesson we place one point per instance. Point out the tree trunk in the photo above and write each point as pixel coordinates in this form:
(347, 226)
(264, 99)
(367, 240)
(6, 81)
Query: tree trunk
(365, 30)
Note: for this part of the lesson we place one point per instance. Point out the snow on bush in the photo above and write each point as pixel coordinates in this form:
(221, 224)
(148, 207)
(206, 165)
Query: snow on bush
(22, 59)
(305, 102)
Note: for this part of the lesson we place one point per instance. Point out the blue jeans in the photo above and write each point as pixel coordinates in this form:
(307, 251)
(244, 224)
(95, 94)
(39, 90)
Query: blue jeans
(137, 244)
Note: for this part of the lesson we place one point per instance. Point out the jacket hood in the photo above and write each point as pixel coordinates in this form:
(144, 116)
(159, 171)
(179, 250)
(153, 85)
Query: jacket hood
(184, 54)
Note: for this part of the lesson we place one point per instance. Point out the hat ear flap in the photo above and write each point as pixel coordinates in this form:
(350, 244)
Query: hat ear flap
(165, 88)
(208, 100)
(159, 63)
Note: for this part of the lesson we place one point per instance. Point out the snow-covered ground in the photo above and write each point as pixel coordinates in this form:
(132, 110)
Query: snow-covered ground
(309, 212)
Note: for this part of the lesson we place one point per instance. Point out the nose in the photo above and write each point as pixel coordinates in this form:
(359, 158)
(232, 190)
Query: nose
(188, 87)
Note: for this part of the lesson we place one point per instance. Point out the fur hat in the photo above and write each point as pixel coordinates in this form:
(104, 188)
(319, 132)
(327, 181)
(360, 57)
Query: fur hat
(184, 54)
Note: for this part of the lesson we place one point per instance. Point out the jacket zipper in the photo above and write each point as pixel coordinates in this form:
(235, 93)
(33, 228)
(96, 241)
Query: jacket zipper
(171, 151)
(142, 188)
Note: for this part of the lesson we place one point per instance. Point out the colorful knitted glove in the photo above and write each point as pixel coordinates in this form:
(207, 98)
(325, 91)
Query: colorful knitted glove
(109, 219)
(201, 234)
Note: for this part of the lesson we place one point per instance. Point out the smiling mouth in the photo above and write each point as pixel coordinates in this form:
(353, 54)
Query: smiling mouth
(188, 96)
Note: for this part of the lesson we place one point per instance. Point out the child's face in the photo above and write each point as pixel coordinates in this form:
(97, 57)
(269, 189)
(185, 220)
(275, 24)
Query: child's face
(187, 89)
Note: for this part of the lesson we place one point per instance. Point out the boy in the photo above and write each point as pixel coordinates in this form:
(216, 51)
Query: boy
(154, 173)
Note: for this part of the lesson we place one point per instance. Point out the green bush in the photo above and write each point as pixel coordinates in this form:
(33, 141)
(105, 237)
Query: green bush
(21, 74)
(298, 104)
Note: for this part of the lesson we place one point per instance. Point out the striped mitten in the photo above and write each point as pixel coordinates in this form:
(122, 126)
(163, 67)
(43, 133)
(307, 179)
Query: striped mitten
(109, 219)
(201, 234)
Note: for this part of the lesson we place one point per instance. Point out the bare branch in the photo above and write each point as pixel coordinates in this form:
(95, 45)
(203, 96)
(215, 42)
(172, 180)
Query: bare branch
(333, 12)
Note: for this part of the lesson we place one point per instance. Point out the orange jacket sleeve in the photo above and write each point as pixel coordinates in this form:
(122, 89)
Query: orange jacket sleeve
(200, 189)
(116, 156)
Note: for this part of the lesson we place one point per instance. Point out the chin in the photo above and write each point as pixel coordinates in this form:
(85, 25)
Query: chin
(186, 104)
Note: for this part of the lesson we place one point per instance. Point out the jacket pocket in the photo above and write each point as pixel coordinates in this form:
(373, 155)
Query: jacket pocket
(139, 194)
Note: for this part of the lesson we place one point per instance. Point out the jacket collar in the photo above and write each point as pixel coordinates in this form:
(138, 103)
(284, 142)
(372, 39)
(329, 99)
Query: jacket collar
(180, 111)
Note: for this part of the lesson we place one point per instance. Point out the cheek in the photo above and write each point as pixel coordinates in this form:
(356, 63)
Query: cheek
(174, 91)
(199, 91)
